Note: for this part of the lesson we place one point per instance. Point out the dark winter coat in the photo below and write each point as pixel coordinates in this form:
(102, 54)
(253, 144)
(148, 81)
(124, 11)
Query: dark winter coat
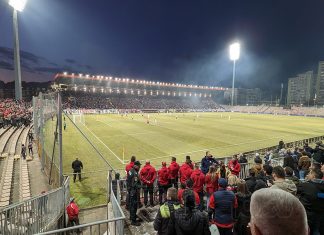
(206, 162)
(163, 216)
(290, 162)
(311, 195)
(187, 222)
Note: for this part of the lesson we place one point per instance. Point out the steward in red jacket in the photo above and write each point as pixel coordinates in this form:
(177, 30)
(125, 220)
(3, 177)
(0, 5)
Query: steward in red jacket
(185, 171)
(148, 176)
(163, 182)
(234, 166)
(198, 179)
(130, 165)
(73, 212)
(174, 172)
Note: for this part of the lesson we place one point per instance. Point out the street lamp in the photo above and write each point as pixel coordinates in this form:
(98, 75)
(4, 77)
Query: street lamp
(17, 5)
(234, 51)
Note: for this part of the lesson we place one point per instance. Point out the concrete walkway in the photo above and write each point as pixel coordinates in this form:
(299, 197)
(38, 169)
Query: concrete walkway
(38, 179)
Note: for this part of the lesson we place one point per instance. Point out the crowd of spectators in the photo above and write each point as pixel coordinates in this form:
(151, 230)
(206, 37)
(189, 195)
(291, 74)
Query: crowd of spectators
(79, 100)
(287, 199)
(14, 113)
(277, 110)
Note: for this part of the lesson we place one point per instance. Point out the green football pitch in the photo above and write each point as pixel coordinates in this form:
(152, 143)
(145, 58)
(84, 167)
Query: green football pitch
(118, 137)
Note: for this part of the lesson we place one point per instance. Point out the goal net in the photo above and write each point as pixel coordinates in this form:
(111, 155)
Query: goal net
(79, 118)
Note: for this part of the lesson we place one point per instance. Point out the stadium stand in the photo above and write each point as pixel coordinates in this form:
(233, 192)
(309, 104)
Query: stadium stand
(14, 113)
(82, 100)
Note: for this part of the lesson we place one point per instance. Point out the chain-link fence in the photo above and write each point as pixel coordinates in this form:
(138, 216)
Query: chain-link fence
(46, 125)
(41, 213)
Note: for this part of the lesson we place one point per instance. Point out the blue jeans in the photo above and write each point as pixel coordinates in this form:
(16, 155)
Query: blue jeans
(301, 174)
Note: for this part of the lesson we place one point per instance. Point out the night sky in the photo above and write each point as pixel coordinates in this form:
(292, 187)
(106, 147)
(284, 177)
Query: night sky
(166, 40)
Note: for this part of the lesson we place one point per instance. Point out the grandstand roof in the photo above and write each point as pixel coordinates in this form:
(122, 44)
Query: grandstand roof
(135, 81)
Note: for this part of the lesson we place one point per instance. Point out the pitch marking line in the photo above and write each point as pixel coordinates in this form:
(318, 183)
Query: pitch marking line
(104, 144)
(131, 134)
(135, 134)
(227, 146)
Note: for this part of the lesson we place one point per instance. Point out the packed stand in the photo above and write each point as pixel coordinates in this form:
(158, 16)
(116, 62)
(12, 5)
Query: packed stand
(14, 113)
(277, 110)
(210, 198)
(80, 100)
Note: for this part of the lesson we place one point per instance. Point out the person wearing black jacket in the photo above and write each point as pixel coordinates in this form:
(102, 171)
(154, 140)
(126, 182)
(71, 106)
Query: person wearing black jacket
(318, 155)
(207, 161)
(133, 187)
(165, 212)
(77, 166)
(188, 219)
(251, 181)
(311, 195)
(243, 209)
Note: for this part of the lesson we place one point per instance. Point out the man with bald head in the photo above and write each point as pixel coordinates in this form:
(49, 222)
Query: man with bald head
(275, 211)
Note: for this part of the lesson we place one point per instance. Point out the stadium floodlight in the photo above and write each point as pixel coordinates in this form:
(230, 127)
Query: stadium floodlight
(234, 51)
(18, 5)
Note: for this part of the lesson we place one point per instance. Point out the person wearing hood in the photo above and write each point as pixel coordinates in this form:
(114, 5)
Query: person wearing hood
(206, 162)
(221, 206)
(281, 182)
(148, 176)
(234, 166)
(163, 182)
(311, 195)
(185, 170)
(188, 220)
(198, 179)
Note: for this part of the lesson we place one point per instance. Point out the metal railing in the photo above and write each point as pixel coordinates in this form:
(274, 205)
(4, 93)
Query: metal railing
(36, 214)
(114, 225)
(93, 228)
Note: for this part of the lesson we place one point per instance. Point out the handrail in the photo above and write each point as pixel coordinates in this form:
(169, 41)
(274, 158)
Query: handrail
(82, 226)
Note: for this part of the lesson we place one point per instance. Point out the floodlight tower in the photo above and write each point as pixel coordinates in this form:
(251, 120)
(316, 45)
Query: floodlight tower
(234, 51)
(17, 5)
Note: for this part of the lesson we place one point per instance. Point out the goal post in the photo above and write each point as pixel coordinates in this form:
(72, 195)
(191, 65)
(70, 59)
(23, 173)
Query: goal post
(78, 118)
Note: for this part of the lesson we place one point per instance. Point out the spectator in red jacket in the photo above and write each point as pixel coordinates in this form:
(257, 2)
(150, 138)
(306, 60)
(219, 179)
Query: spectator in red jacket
(234, 166)
(163, 182)
(148, 176)
(198, 179)
(73, 213)
(185, 170)
(130, 165)
(211, 181)
(174, 172)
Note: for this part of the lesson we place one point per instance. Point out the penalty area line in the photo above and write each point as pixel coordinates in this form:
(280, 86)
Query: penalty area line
(121, 161)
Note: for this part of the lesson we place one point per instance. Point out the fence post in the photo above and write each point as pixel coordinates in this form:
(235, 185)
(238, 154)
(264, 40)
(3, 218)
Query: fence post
(59, 116)
(41, 129)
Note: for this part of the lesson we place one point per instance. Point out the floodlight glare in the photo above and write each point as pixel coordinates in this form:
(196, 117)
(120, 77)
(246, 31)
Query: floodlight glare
(18, 5)
(234, 51)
